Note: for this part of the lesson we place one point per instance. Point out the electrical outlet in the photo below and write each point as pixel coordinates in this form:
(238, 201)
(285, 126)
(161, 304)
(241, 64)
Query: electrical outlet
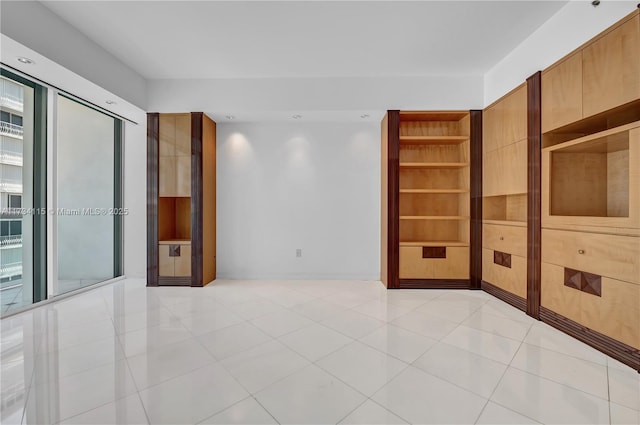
(298, 252)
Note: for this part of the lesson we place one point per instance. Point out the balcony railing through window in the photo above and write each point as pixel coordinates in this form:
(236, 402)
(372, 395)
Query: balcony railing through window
(12, 130)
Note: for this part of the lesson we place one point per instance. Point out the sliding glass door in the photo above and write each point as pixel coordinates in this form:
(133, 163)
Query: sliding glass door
(88, 207)
(22, 192)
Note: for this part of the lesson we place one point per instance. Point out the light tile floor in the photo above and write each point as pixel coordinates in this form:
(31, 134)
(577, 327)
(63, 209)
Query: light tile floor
(295, 352)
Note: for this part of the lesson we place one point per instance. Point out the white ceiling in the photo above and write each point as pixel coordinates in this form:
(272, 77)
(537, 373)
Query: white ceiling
(265, 39)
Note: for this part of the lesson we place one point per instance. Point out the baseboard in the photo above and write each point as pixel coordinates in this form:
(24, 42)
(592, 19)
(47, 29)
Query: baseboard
(433, 284)
(611, 347)
(506, 296)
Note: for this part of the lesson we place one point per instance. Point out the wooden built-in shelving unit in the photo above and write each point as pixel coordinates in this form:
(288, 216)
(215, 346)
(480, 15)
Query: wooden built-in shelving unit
(431, 213)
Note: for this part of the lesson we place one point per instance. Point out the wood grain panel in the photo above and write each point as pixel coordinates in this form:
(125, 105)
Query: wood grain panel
(430, 230)
(413, 266)
(511, 239)
(434, 153)
(165, 261)
(611, 69)
(431, 179)
(166, 219)
(434, 204)
(618, 184)
(167, 135)
(616, 313)
(429, 128)
(556, 296)
(208, 200)
(515, 115)
(513, 279)
(562, 93)
(182, 218)
(183, 134)
(182, 265)
(505, 170)
(167, 176)
(183, 175)
(578, 184)
(617, 257)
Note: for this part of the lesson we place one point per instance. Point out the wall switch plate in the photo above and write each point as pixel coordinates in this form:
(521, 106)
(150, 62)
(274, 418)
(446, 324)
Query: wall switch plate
(298, 252)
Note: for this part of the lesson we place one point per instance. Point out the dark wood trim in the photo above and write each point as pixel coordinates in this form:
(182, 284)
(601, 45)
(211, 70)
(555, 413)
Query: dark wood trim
(174, 281)
(433, 283)
(534, 194)
(393, 197)
(611, 347)
(153, 134)
(475, 237)
(434, 252)
(196, 199)
(506, 296)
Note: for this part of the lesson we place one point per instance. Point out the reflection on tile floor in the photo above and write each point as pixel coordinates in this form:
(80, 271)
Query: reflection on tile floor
(315, 352)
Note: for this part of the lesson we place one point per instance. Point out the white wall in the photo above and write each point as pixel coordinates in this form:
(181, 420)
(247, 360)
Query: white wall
(135, 198)
(314, 186)
(316, 94)
(572, 26)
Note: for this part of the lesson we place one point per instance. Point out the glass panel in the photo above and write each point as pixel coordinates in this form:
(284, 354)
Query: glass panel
(16, 192)
(85, 174)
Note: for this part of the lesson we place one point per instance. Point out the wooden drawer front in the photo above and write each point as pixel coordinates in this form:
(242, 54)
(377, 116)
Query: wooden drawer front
(513, 279)
(617, 257)
(616, 313)
(511, 239)
(414, 266)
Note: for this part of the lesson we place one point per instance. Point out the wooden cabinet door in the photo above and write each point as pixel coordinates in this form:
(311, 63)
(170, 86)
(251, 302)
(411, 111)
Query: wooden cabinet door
(183, 262)
(515, 116)
(611, 69)
(562, 93)
(167, 176)
(165, 261)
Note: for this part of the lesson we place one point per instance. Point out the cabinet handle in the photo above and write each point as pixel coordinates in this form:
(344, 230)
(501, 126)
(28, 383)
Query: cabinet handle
(581, 251)
(501, 238)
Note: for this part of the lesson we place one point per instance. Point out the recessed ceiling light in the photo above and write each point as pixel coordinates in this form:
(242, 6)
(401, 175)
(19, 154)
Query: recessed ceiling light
(110, 102)
(230, 117)
(296, 117)
(24, 60)
(364, 116)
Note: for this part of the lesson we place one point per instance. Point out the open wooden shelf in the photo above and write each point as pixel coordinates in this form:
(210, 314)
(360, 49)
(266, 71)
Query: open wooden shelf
(518, 223)
(173, 241)
(431, 116)
(418, 165)
(432, 140)
(433, 217)
(434, 243)
(435, 191)
(590, 176)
